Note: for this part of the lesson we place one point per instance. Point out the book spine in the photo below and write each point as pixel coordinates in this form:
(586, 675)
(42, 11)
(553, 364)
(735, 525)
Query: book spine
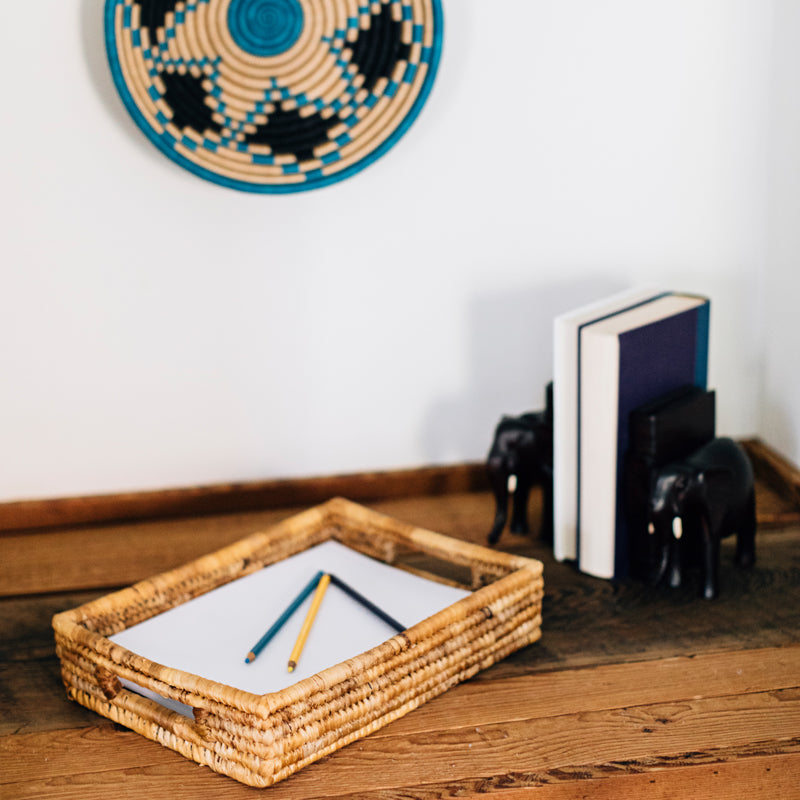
(565, 392)
(597, 466)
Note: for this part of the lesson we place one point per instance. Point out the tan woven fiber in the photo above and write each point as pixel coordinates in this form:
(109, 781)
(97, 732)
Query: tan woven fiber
(261, 739)
(299, 96)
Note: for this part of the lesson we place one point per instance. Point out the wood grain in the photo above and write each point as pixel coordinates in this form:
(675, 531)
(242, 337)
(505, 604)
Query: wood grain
(766, 774)
(632, 691)
(593, 725)
(757, 777)
(552, 694)
(780, 483)
(237, 497)
(86, 557)
(116, 555)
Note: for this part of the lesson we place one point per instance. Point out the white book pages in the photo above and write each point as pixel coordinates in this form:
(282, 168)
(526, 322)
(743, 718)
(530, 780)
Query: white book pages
(566, 330)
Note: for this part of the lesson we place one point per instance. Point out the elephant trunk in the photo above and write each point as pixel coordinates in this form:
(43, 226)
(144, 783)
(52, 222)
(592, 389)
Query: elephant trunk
(675, 576)
(665, 532)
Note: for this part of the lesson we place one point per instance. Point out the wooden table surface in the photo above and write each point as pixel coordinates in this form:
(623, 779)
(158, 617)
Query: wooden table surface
(631, 692)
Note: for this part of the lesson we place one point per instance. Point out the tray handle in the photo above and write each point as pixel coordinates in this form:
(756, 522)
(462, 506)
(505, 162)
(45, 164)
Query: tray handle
(110, 685)
(148, 711)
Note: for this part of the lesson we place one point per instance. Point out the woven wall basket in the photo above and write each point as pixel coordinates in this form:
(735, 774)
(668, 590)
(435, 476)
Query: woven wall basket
(273, 95)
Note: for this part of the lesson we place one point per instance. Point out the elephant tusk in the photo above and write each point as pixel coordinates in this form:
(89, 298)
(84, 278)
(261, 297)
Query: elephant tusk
(512, 484)
(677, 527)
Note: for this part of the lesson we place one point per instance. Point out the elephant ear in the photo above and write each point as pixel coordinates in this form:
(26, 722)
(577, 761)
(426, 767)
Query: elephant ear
(715, 474)
(718, 480)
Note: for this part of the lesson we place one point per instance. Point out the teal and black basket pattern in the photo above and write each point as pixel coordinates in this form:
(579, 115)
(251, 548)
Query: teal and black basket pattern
(274, 95)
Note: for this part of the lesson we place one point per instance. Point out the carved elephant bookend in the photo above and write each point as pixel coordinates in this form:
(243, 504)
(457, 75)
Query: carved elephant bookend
(521, 457)
(694, 503)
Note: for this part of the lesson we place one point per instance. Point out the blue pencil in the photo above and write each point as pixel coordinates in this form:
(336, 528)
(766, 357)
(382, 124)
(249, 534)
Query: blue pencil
(281, 621)
(378, 612)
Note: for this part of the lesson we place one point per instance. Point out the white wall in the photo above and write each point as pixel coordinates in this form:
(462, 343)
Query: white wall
(780, 425)
(158, 330)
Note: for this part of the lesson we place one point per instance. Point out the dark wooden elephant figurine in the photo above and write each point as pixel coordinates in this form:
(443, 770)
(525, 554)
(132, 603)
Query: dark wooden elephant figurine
(694, 503)
(520, 458)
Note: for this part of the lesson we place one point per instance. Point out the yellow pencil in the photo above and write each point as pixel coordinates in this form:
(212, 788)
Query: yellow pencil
(308, 621)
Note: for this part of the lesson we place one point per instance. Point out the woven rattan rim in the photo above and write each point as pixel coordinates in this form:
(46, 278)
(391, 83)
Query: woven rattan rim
(274, 96)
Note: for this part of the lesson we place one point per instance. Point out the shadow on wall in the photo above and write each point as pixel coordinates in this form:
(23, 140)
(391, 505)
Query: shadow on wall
(510, 352)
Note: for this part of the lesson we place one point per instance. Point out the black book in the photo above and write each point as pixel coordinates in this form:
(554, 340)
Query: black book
(664, 430)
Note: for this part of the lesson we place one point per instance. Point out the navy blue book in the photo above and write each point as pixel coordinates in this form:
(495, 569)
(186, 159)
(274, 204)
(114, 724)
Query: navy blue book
(626, 361)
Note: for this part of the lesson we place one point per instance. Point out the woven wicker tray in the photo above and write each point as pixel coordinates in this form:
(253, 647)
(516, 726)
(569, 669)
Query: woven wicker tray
(262, 739)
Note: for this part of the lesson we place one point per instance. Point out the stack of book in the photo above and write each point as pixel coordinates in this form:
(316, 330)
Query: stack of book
(610, 359)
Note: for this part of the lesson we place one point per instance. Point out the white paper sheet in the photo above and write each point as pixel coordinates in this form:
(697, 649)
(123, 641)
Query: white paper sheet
(211, 635)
